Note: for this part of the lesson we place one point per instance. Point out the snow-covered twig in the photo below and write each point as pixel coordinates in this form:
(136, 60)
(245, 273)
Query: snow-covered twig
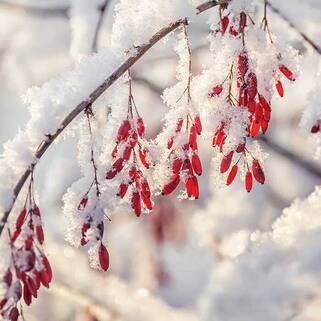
(209, 4)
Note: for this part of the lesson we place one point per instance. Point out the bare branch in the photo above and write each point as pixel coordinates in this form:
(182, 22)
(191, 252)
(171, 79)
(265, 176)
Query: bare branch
(33, 10)
(293, 157)
(210, 4)
(82, 299)
(293, 26)
(103, 10)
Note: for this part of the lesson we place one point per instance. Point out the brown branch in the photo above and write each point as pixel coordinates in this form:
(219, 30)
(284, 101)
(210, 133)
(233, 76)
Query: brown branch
(210, 4)
(90, 100)
(293, 157)
(33, 10)
(103, 9)
(293, 26)
(82, 299)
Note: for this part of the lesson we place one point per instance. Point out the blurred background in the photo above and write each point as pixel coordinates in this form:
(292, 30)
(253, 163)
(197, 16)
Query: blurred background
(162, 263)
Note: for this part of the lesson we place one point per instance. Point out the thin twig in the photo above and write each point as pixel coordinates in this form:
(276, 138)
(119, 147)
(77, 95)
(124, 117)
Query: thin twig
(140, 51)
(293, 26)
(36, 11)
(82, 299)
(293, 157)
(103, 9)
(89, 113)
(209, 4)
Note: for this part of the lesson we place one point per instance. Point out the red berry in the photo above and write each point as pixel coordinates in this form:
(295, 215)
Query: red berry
(122, 190)
(251, 85)
(3, 303)
(14, 314)
(170, 143)
(258, 112)
(243, 64)
(197, 165)
(127, 153)
(264, 103)
(177, 165)
(231, 176)
(83, 203)
(47, 267)
(21, 218)
(233, 32)
(172, 185)
(279, 88)
(287, 72)
(198, 125)
(140, 127)
(216, 90)
(187, 166)
(226, 162)
(8, 278)
(123, 131)
(248, 181)
(258, 172)
(27, 295)
(255, 128)
(136, 203)
(103, 257)
(147, 201)
(315, 128)
(143, 157)
(192, 188)
(224, 24)
(179, 125)
(40, 234)
(116, 168)
(240, 148)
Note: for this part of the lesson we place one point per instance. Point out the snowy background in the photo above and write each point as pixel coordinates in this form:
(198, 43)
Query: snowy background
(229, 255)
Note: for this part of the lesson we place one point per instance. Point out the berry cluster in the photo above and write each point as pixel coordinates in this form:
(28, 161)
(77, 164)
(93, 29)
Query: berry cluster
(89, 227)
(184, 161)
(241, 89)
(29, 268)
(130, 154)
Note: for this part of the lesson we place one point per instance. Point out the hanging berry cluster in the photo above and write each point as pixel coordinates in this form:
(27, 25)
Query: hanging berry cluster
(131, 155)
(184, 162)
(90, 228)
(29, 267)
(183, 158)
(240, 88)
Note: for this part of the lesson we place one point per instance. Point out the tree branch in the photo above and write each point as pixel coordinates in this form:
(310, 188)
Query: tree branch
(33, 10)
(210, 4)
(81, 298)
(99, 24)
(91, 99)
(292, 25)
(295, 158)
